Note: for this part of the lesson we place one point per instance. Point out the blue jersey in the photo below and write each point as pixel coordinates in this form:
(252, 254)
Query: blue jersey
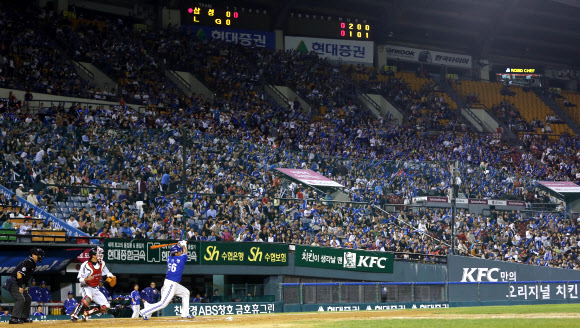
(149, 295)
(38, 313)
(175, 265)
(44, 295)
(34, 292)
(135, 297)
(69, 305)
(104, 291)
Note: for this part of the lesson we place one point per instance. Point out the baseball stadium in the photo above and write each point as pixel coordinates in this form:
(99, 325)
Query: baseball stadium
(261, 163)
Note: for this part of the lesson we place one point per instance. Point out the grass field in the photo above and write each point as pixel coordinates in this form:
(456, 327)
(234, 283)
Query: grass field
(525, 316)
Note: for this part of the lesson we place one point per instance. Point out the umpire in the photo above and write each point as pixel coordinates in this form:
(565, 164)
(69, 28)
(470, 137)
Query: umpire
(17, 284)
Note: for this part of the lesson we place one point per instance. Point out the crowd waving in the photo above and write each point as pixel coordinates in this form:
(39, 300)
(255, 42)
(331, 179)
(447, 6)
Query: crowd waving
(207, 168)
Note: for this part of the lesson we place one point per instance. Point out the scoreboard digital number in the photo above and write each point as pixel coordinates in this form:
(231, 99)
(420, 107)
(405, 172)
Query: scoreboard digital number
(227, 17)
(330, 28)
(211, 16)
(355, 30)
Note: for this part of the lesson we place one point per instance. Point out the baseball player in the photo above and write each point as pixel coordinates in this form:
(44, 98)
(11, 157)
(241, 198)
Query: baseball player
(171, 286)
(70, 304)
(89, 276)
(150, 294)
(135, 301)
(34, 291)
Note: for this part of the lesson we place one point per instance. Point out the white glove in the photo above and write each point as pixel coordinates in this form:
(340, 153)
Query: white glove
(183, 243)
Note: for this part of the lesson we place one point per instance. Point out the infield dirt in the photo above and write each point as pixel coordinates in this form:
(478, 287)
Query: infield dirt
(282, 320)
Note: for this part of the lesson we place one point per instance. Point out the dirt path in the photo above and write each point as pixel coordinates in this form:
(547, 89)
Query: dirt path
(287, 320)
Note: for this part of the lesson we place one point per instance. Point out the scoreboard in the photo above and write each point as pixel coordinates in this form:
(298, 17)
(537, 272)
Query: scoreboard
(299, 24)
(233, 17)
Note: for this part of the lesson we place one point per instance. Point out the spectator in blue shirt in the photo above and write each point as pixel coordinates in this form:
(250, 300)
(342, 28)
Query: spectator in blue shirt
(165, 180)
(211, 213)
(127, 231)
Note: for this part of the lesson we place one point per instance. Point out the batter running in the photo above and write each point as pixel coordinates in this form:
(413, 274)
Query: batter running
(90, 276)
(171, 286)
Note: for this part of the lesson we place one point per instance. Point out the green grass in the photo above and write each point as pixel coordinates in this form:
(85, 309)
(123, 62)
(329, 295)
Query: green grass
(522, 309)
(452, 317)
(444, 323)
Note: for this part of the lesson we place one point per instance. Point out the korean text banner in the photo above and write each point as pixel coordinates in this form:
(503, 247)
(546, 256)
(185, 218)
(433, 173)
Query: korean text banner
(248, 38)
(346, 50)
(244, 254)
(343, 259)
(428, 56)
(138, 251)
(310, 177)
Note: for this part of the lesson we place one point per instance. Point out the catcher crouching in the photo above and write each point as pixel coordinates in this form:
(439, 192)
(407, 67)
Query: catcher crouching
(89, 277)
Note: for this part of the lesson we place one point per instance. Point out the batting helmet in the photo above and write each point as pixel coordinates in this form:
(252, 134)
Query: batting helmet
(38, 252)
(176, 249)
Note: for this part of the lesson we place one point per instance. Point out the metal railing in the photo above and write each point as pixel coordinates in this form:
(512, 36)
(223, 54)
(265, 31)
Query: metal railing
(89, 75)
(181, 80)
(371, 101)
(278, 93)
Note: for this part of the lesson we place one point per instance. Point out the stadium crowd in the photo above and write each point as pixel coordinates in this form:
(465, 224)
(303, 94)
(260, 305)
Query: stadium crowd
(208, 167)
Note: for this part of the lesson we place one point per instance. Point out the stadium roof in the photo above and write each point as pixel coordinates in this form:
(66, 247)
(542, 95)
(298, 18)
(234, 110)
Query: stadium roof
(533, 29)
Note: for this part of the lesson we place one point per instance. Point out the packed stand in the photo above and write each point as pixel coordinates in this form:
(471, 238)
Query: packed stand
(119, 180)
(127, 56)
(30, 59)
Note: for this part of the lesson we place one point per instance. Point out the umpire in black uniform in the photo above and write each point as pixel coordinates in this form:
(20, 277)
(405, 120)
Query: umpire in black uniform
(17, 284)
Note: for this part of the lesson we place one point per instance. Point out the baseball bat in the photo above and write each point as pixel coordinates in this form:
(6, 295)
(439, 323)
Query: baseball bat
(162, 245)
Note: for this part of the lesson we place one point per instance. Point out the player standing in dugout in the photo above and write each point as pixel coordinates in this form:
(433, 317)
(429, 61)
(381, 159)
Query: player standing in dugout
(89, 276)
(17, 285)
(171, 286)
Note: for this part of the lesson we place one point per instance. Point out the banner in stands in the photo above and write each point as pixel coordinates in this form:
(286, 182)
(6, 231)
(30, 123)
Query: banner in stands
(55, 261)
(561, 186)
(346, 50)
(248, 38)
(471, 201)
(244, 254)
(428, 56)
(138, 251)
(310, 177)
(343, 259)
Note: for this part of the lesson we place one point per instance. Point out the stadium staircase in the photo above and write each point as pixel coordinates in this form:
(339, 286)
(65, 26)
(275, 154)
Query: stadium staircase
(558, 107)
(530, 106)
(507, 135)
(573, 98)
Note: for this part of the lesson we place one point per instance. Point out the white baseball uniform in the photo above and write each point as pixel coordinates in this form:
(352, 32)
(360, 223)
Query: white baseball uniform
(170, 288)
(91, 288)
(136, 309)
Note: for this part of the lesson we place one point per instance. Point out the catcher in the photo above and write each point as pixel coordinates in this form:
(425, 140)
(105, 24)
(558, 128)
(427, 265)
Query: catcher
(89, 276)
